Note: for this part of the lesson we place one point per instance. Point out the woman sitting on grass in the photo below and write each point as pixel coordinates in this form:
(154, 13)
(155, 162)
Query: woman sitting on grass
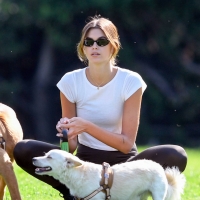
(101, 110)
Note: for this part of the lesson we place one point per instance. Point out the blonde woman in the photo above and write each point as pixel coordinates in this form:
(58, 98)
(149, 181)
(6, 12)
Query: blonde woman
(100, 109)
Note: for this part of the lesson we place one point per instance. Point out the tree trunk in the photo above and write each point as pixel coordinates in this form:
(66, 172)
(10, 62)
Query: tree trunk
(40, 91)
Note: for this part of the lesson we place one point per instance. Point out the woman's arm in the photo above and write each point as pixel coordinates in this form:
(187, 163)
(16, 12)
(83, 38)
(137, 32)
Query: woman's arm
(130, 122)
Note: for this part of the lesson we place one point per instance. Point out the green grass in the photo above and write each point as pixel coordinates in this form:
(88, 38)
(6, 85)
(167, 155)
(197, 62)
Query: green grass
(31, 188)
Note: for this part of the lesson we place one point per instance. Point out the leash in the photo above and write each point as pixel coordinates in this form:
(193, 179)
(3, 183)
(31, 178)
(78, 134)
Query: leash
(106, 183)
(64, 141)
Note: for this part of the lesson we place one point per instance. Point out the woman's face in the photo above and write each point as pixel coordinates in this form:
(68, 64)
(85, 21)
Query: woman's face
(97, 54)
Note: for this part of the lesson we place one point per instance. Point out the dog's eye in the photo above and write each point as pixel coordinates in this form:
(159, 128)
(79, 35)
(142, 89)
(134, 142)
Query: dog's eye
(49, 157)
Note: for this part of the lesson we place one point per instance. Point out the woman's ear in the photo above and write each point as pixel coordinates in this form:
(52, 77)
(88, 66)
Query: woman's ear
(84, 50)
(112, 50)
(85, 57)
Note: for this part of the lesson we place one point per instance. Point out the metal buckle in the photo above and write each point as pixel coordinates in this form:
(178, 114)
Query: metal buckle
(105, 164)
(2, 142)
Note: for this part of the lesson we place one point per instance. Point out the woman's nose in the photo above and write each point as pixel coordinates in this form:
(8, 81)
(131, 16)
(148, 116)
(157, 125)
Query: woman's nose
(94, 45)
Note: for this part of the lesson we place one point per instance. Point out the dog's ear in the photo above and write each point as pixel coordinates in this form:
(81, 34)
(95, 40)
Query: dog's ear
(72, 163)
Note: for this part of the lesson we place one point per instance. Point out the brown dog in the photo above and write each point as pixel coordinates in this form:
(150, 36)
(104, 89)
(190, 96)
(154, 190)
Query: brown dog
(10, 133)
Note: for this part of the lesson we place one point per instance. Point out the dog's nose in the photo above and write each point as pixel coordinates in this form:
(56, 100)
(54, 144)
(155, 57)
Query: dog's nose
(33, 159)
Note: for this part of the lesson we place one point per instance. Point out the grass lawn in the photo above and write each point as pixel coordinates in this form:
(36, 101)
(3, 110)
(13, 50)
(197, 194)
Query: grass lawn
(31, 188)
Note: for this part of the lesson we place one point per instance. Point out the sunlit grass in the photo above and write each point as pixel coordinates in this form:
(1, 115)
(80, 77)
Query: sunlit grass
(31, 188)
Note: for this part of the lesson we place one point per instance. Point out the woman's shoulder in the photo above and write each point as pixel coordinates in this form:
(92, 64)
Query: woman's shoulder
(132, 81)
(74, 73)
(128, 73)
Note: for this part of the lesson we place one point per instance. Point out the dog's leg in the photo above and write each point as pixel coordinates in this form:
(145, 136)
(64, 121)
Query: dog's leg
(145, 196)
(2, 188)
(2, 182)
(159, 195)
(159, 191)
(11, 182)
(8, 175)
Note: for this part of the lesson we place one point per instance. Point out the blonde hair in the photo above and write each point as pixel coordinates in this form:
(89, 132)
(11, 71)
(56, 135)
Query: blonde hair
(109, 30)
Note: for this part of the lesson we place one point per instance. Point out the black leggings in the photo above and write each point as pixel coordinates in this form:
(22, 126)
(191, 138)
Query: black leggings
(166, 155)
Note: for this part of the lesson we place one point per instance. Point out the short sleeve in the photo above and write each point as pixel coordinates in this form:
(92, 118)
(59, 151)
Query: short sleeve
(67, 86)
(132, 83)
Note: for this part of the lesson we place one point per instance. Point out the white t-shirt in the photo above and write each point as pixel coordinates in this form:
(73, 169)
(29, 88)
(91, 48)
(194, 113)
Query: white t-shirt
(103, 106)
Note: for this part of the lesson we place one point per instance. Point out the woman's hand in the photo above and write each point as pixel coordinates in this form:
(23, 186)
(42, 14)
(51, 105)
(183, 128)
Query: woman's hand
(75, 126)
(63, 120)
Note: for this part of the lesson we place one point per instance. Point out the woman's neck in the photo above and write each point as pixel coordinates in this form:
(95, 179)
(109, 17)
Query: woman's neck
(99, 75)
(99, 70)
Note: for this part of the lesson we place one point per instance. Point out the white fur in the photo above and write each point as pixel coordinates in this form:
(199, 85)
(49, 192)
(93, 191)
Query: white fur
(134, 180)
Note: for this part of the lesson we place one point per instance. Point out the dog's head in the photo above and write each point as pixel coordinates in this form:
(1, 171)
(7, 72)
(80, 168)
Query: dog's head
(54, 161)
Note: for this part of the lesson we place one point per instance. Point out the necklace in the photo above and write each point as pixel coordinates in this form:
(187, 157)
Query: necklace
(98, 85)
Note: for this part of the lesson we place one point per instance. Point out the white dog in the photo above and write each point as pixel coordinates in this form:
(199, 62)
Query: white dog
(134, 180)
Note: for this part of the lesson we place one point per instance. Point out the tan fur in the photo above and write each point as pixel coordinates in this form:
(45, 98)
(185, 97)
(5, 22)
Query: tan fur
(12, 133)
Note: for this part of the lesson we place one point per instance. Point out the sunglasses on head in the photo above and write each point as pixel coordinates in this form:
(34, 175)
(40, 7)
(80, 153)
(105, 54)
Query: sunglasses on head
(88, 42)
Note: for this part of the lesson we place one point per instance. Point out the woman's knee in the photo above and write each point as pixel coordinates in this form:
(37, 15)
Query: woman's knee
(31, 148)
(21, 150)
(181, 157)
(175, 156)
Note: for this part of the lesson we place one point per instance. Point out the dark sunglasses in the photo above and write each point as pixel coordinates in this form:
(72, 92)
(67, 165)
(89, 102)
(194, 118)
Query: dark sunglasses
(88, 42)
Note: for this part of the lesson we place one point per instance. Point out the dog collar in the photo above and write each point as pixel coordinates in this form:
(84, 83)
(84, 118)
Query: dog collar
(105, 184)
